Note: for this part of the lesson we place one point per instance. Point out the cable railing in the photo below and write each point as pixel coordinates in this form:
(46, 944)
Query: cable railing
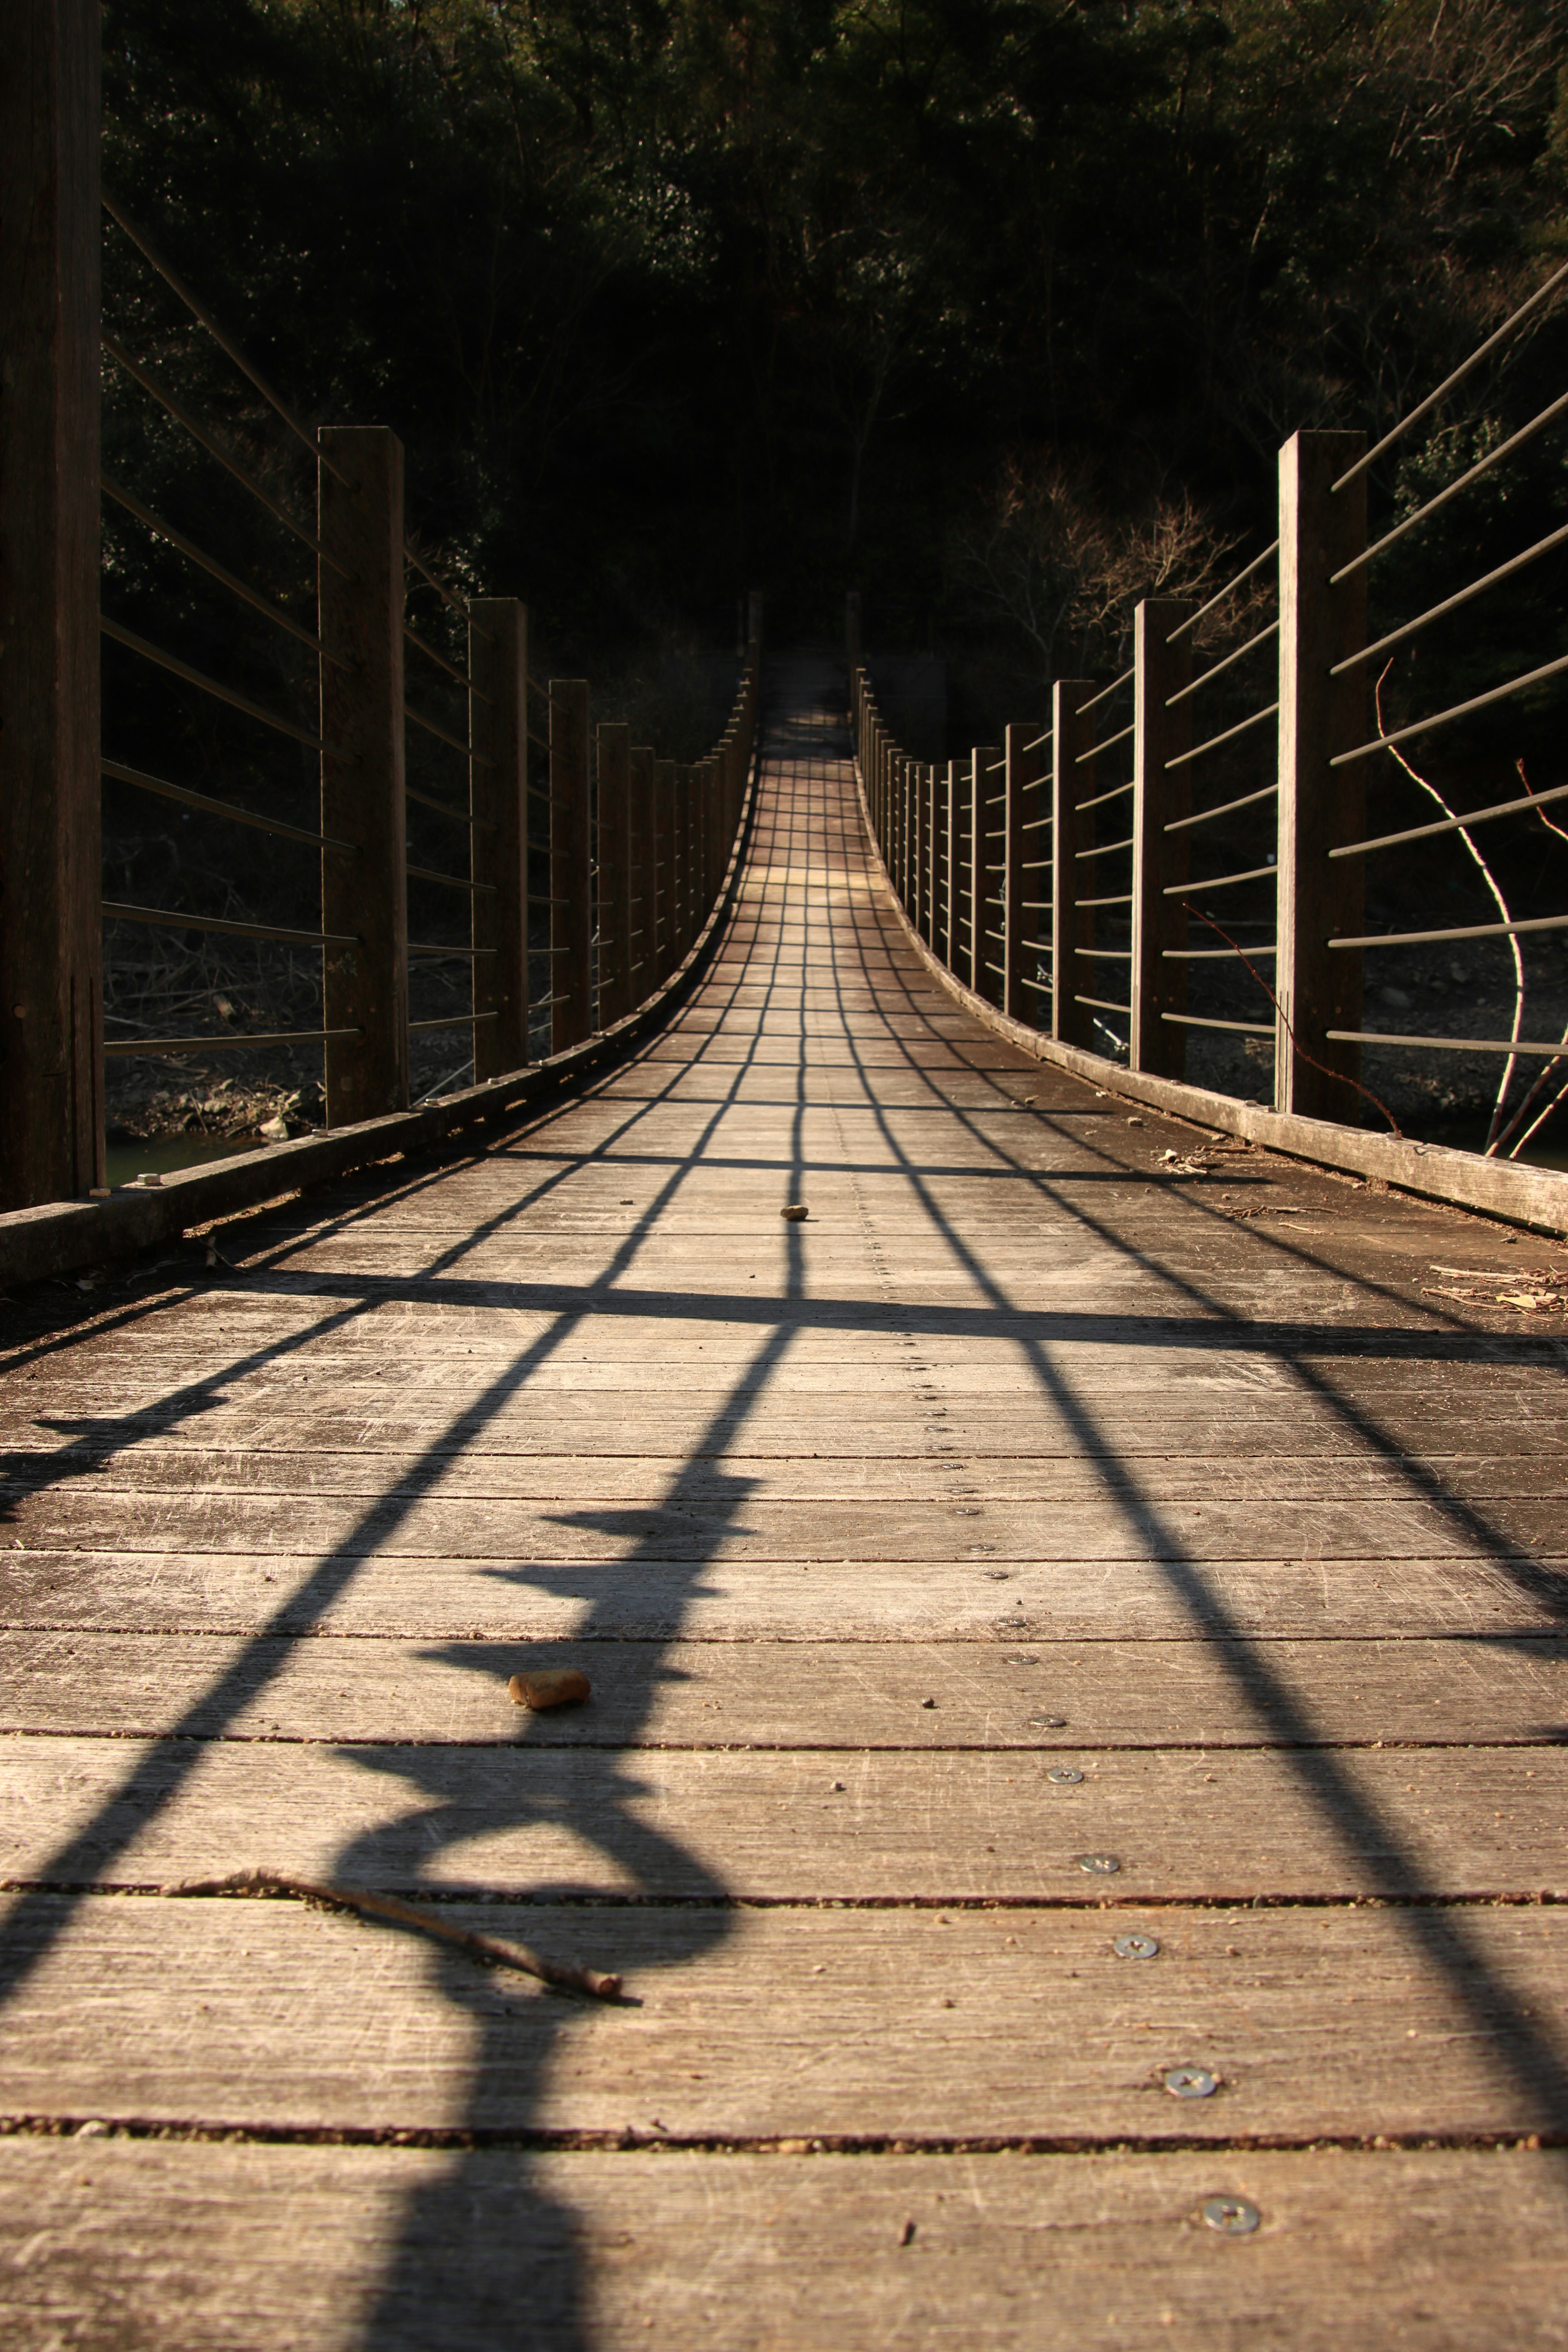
(1304, 796)
(285, 669)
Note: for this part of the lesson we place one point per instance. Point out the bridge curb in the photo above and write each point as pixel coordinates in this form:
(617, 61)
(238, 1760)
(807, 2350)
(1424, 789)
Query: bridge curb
(1536, 1197)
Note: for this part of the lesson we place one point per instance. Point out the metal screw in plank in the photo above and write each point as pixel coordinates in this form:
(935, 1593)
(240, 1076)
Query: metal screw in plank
(1098, 1865)
(1190, 2081)
(1233, 2217)
(1136, 1947)
(1067, 1776)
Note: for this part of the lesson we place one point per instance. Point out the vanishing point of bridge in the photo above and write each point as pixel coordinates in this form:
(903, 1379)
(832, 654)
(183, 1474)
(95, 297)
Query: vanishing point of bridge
(1072, 1783)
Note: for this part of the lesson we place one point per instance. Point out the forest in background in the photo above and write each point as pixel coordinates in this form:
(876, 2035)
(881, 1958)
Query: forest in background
(990, 308)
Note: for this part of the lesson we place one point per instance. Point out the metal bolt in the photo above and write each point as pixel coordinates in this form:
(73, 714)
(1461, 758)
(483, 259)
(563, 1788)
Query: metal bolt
(1056, 1722)
(1066, 1775)
(1098, 1865)
(1191, 2083)
(1233, 2217)
(1135, 1947)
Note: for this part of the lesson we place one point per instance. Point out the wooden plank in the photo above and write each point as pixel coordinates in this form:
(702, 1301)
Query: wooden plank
(644, 1597)
(1044, 1694)
(123, 1467)
(51, 956)
(767, 1825)
(269, 2246)
(840, 2024)
(359, 592)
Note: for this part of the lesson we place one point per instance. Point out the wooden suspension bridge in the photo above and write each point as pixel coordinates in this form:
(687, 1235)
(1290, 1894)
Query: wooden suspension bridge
(1072, 1787)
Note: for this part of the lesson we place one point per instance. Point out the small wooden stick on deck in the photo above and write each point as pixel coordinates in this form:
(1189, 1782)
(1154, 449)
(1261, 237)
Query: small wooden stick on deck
(598, 1981)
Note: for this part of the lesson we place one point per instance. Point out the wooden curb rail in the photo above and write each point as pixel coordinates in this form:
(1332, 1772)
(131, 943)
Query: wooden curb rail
(61, 1237)
(1510, 1189)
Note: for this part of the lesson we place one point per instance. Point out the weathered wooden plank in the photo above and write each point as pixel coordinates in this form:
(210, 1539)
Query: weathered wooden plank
(853, 2024)
(125, 1466)
(646, 1595)
(739, 1525)
(264, 2248)
(794, 1826)
(1077, 1696)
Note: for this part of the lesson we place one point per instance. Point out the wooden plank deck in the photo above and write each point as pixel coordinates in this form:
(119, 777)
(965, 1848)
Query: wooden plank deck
(1032, 1503)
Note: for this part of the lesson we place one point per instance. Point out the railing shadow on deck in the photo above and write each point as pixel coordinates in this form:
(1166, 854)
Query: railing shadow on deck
(448, 2271)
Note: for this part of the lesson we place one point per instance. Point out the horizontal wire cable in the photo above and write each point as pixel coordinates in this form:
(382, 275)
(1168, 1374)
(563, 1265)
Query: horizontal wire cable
(1464, 932)
(1230, 586)
(199, 311)
(210, 563)
(181, 415)
(122, 1047)
(1452, 824)
(1458, 375)
(453, 881)
(1220, 881)
(1458, 710)
(1214, 668)
(1108, 745)
(1448, 1045)
(1105, 848)
(1203, 816)
(1105, 693)
(1113, 795)
(1202, 1021)
(1452, 604)
(182, 792)
(170, 919)
(1482, 465)
(214, 686)
(1183, 758)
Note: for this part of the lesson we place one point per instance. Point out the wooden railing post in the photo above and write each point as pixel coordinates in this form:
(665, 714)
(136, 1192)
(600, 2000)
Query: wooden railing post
(1022, 892)
(497, 802)
(614, 802)
(666, 866)
(1320, 806)
(571, 927)
(1161, 794)
(364, 987)
(950, 791)
(1072, 924)
(642, 935)
(51, 952)
(984, 870)
(919, 793)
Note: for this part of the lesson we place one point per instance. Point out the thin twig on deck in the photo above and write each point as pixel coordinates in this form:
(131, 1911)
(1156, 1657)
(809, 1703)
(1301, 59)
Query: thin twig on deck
(598, 1981)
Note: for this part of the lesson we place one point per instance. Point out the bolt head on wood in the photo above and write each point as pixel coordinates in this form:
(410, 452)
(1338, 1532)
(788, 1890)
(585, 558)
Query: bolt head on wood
(549, 1686)
(1233, 2217)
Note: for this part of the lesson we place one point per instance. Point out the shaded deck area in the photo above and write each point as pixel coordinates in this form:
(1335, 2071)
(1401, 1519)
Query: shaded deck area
(1075, 1774)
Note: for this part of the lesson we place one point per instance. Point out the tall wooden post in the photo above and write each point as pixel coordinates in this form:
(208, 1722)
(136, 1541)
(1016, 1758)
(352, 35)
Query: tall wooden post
(984, 871)
(51, 952)
(1320, 805)
(666, 853)
(364, 987)
(961, 857)
(571, 971)
(615, 778)
(497, 734)
(643, 933)
(1022, 891)
(1072, 924)
(1161, 794)
(920, 905)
